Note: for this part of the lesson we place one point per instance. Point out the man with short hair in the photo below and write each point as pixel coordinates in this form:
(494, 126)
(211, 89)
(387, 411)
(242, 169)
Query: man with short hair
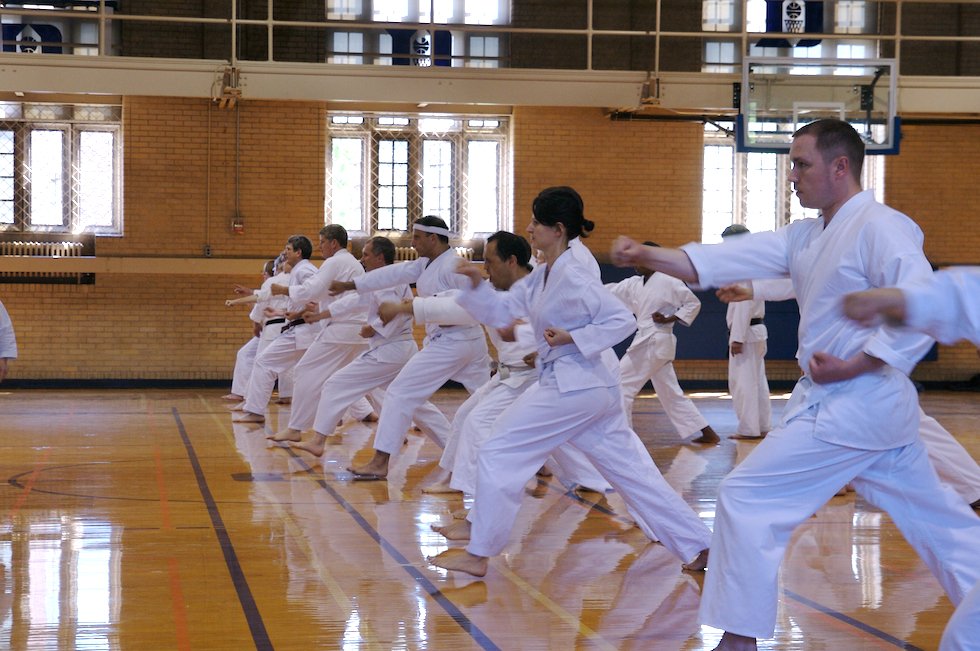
(390, 346)
(747, 345)
(853, 416)
(314, 350)
(658, 301)
(338, 341)
(451, 352)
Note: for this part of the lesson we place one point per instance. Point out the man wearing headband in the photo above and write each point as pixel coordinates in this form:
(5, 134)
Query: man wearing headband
(450, 352)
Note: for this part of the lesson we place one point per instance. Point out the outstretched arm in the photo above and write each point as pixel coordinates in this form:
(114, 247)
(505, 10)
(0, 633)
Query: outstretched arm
(673, 262)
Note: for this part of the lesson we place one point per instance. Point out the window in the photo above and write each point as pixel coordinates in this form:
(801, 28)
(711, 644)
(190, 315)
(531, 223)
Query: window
(385, 171)
(60, 168)
(753, 188)
(390, 46)
(718, 15)
(850, 16)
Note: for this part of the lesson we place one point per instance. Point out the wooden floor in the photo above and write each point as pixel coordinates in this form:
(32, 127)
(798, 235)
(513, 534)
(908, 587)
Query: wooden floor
(146, 520)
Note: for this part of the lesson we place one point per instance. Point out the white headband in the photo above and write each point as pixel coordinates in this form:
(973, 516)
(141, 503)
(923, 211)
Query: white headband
(438, 230)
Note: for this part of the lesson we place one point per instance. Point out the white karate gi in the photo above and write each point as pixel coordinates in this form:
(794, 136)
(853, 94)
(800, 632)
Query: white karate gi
(651, 355)
(338, 343)
(576, 399)
(283, 353)
(389, 349)
(947, 307)
(473, 422)
(245, 358)
(747, 371)
(863, 430)
(450, 352)
(8, 342)
(951, 460)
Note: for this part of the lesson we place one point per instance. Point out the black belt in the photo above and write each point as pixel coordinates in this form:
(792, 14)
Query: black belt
(292, 324)
(275, 321)
(756, 321)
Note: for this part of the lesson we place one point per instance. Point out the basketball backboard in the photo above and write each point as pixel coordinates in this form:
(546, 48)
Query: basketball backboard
(780, 94)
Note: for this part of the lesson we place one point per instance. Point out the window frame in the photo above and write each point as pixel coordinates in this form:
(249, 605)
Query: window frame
(460, 136)
(72, 129)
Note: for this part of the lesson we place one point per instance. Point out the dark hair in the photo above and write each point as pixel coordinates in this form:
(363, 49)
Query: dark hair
(562, 204)
(509, 244)
(302, 244)
(384, 246)
(269, 269)
(836, 138)
(735, 229)
(432, 220)
(335, 232)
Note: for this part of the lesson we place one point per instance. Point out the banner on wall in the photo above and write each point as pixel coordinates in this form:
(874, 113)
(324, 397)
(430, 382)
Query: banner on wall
(35, 38)
(793, 17)
(423, 44)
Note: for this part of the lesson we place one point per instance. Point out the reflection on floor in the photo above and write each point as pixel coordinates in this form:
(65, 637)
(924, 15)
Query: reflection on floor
(146, 520)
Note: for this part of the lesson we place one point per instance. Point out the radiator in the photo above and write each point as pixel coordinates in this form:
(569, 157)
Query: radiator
(408, 253)
(52, 249)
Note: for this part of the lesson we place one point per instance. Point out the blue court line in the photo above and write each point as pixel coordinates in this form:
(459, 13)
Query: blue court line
(458, 616)
(251, 610)
(870, 630)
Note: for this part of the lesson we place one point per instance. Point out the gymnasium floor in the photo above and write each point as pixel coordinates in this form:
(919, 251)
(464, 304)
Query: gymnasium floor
(146, 520)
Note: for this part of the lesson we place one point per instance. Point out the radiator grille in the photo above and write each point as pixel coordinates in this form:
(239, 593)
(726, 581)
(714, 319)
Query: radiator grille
(408, 253)
(42, 249)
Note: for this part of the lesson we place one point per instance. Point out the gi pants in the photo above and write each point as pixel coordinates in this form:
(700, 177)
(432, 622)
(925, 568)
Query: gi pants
(749, 388)
(785, 480)
(441, 359)
(593, 420)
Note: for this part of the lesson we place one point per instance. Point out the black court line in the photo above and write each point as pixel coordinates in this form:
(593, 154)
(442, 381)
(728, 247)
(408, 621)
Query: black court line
(252, 615)
(458, 616)
(870, 630)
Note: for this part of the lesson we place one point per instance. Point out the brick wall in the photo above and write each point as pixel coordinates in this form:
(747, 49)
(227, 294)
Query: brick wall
(931, 181)
(637, 178)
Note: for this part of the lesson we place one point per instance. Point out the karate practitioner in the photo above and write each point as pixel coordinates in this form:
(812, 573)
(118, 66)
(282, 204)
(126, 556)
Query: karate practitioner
(951, 460)
(659, 301)
(506, 259)
(747, 383)
(947, 307)
(390, 346)
(283, 353)
(450, 352)
(339, 341)
(8, 342)
(853, 416)
(268, 319)
(576, 398)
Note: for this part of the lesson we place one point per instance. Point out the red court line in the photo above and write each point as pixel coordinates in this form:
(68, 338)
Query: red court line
(176, 590)
(15, 509)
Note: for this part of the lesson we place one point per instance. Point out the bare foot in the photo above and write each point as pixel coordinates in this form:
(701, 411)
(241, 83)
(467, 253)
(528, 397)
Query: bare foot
(370, 418)
(456, 530)
(377, 467)
(708, 436)
(698, 564)
(232, 396)
(314, 447)
(460, 514)
(238, 406)
(286, 435)
(440, 488)
(460, 560)
(247, 417)
(733, 642)
(284, 401)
